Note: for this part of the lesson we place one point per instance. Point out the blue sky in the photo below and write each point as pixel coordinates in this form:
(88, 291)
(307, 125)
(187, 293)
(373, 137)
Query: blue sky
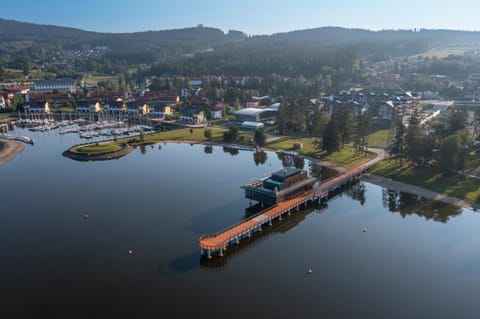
(250, 16)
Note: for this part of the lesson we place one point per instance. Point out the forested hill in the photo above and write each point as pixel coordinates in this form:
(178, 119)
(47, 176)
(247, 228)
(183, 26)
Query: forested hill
(178, 41)
(203, 50)
(200, 38)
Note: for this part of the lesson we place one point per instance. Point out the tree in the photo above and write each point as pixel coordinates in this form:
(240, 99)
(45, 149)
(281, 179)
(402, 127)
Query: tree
(361, 132)
(345, 126)
(292, 116)
(331, 138)
(260, 137)
(450, 154)
(398, 145)
(319, 123)
(415, 144)
(457, 119)
(208, 134)
(231, 135)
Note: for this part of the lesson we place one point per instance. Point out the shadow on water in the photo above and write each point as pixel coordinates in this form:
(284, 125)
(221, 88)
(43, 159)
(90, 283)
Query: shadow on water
(210, 219)
(180, 265)
(288, 222)
(410, 204)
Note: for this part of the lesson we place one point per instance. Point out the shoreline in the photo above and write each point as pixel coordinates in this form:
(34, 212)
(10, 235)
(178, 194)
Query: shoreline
(417, 190)
(371, 178)
(9, 149)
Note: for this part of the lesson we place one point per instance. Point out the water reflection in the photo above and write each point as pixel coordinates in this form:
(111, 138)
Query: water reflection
(291, 160)
(287, 223)
(232, 151)
(208, 149)
(322, 172)
(408, 204)
(260, 157)
(357, 192)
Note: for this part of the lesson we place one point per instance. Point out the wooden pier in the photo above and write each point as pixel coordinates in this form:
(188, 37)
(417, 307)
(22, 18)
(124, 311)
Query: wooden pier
(218, 243)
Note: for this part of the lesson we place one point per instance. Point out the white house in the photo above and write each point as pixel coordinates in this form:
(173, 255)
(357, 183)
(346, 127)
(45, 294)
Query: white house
(217, 111)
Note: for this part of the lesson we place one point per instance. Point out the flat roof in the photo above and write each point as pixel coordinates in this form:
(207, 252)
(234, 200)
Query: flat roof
(285, 173)
(251, 111)
(252, 124)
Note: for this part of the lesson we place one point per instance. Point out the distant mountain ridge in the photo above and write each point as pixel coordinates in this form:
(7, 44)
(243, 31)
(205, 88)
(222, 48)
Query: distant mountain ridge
(11, 30)
(205, 50)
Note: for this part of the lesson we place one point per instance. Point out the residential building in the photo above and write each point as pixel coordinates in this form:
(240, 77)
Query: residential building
(60, 85)
(36, 107)
(216, 112)
(194, 116)
(88, 106)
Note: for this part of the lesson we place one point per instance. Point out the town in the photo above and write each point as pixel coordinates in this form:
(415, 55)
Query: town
(316, 159)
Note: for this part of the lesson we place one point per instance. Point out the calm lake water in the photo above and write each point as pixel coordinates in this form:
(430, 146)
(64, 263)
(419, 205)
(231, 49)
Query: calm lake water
(417, 259)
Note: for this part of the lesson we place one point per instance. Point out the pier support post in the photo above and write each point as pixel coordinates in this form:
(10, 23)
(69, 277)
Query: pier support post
(270, 222)
(260, 227)
(249, 234)
(280, 217)
(221, 252)
(288, 212)
(238, 240)
(209, 254)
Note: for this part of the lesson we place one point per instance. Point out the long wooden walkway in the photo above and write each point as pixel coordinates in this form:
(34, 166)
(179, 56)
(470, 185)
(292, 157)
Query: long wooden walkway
(218, 242)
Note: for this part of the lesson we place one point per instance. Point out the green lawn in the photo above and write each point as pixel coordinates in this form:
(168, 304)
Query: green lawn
(185, 134)
(379, 138)
(457, 185)
(17, 75)
(94, 79)
(94, 149)
(196, 134)
(345, 158)
(308, 149)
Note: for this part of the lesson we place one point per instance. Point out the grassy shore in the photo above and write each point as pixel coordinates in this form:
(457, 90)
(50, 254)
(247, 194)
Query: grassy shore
(187, 134)
(345, 158)
(96, 149)
(460, 186)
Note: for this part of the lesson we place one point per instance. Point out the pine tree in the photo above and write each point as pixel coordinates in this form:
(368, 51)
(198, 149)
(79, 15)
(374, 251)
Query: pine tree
(331, 138)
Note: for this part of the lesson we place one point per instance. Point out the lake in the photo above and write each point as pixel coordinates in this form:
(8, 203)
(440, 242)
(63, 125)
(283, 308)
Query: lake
(374, 253)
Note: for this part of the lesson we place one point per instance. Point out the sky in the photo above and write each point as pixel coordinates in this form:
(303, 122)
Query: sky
(250, 16)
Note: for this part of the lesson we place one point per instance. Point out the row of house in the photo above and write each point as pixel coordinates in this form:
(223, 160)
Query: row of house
(152, 108)
(387, 107)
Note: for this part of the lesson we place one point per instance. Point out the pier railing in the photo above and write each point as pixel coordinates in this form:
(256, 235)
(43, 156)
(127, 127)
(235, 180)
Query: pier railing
(218, 242)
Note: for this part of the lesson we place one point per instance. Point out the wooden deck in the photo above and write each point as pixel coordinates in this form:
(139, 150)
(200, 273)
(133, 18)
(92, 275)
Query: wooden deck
(222, 239)
(218, 242)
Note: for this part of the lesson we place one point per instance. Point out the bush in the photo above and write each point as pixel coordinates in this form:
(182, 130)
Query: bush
(208, 134)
